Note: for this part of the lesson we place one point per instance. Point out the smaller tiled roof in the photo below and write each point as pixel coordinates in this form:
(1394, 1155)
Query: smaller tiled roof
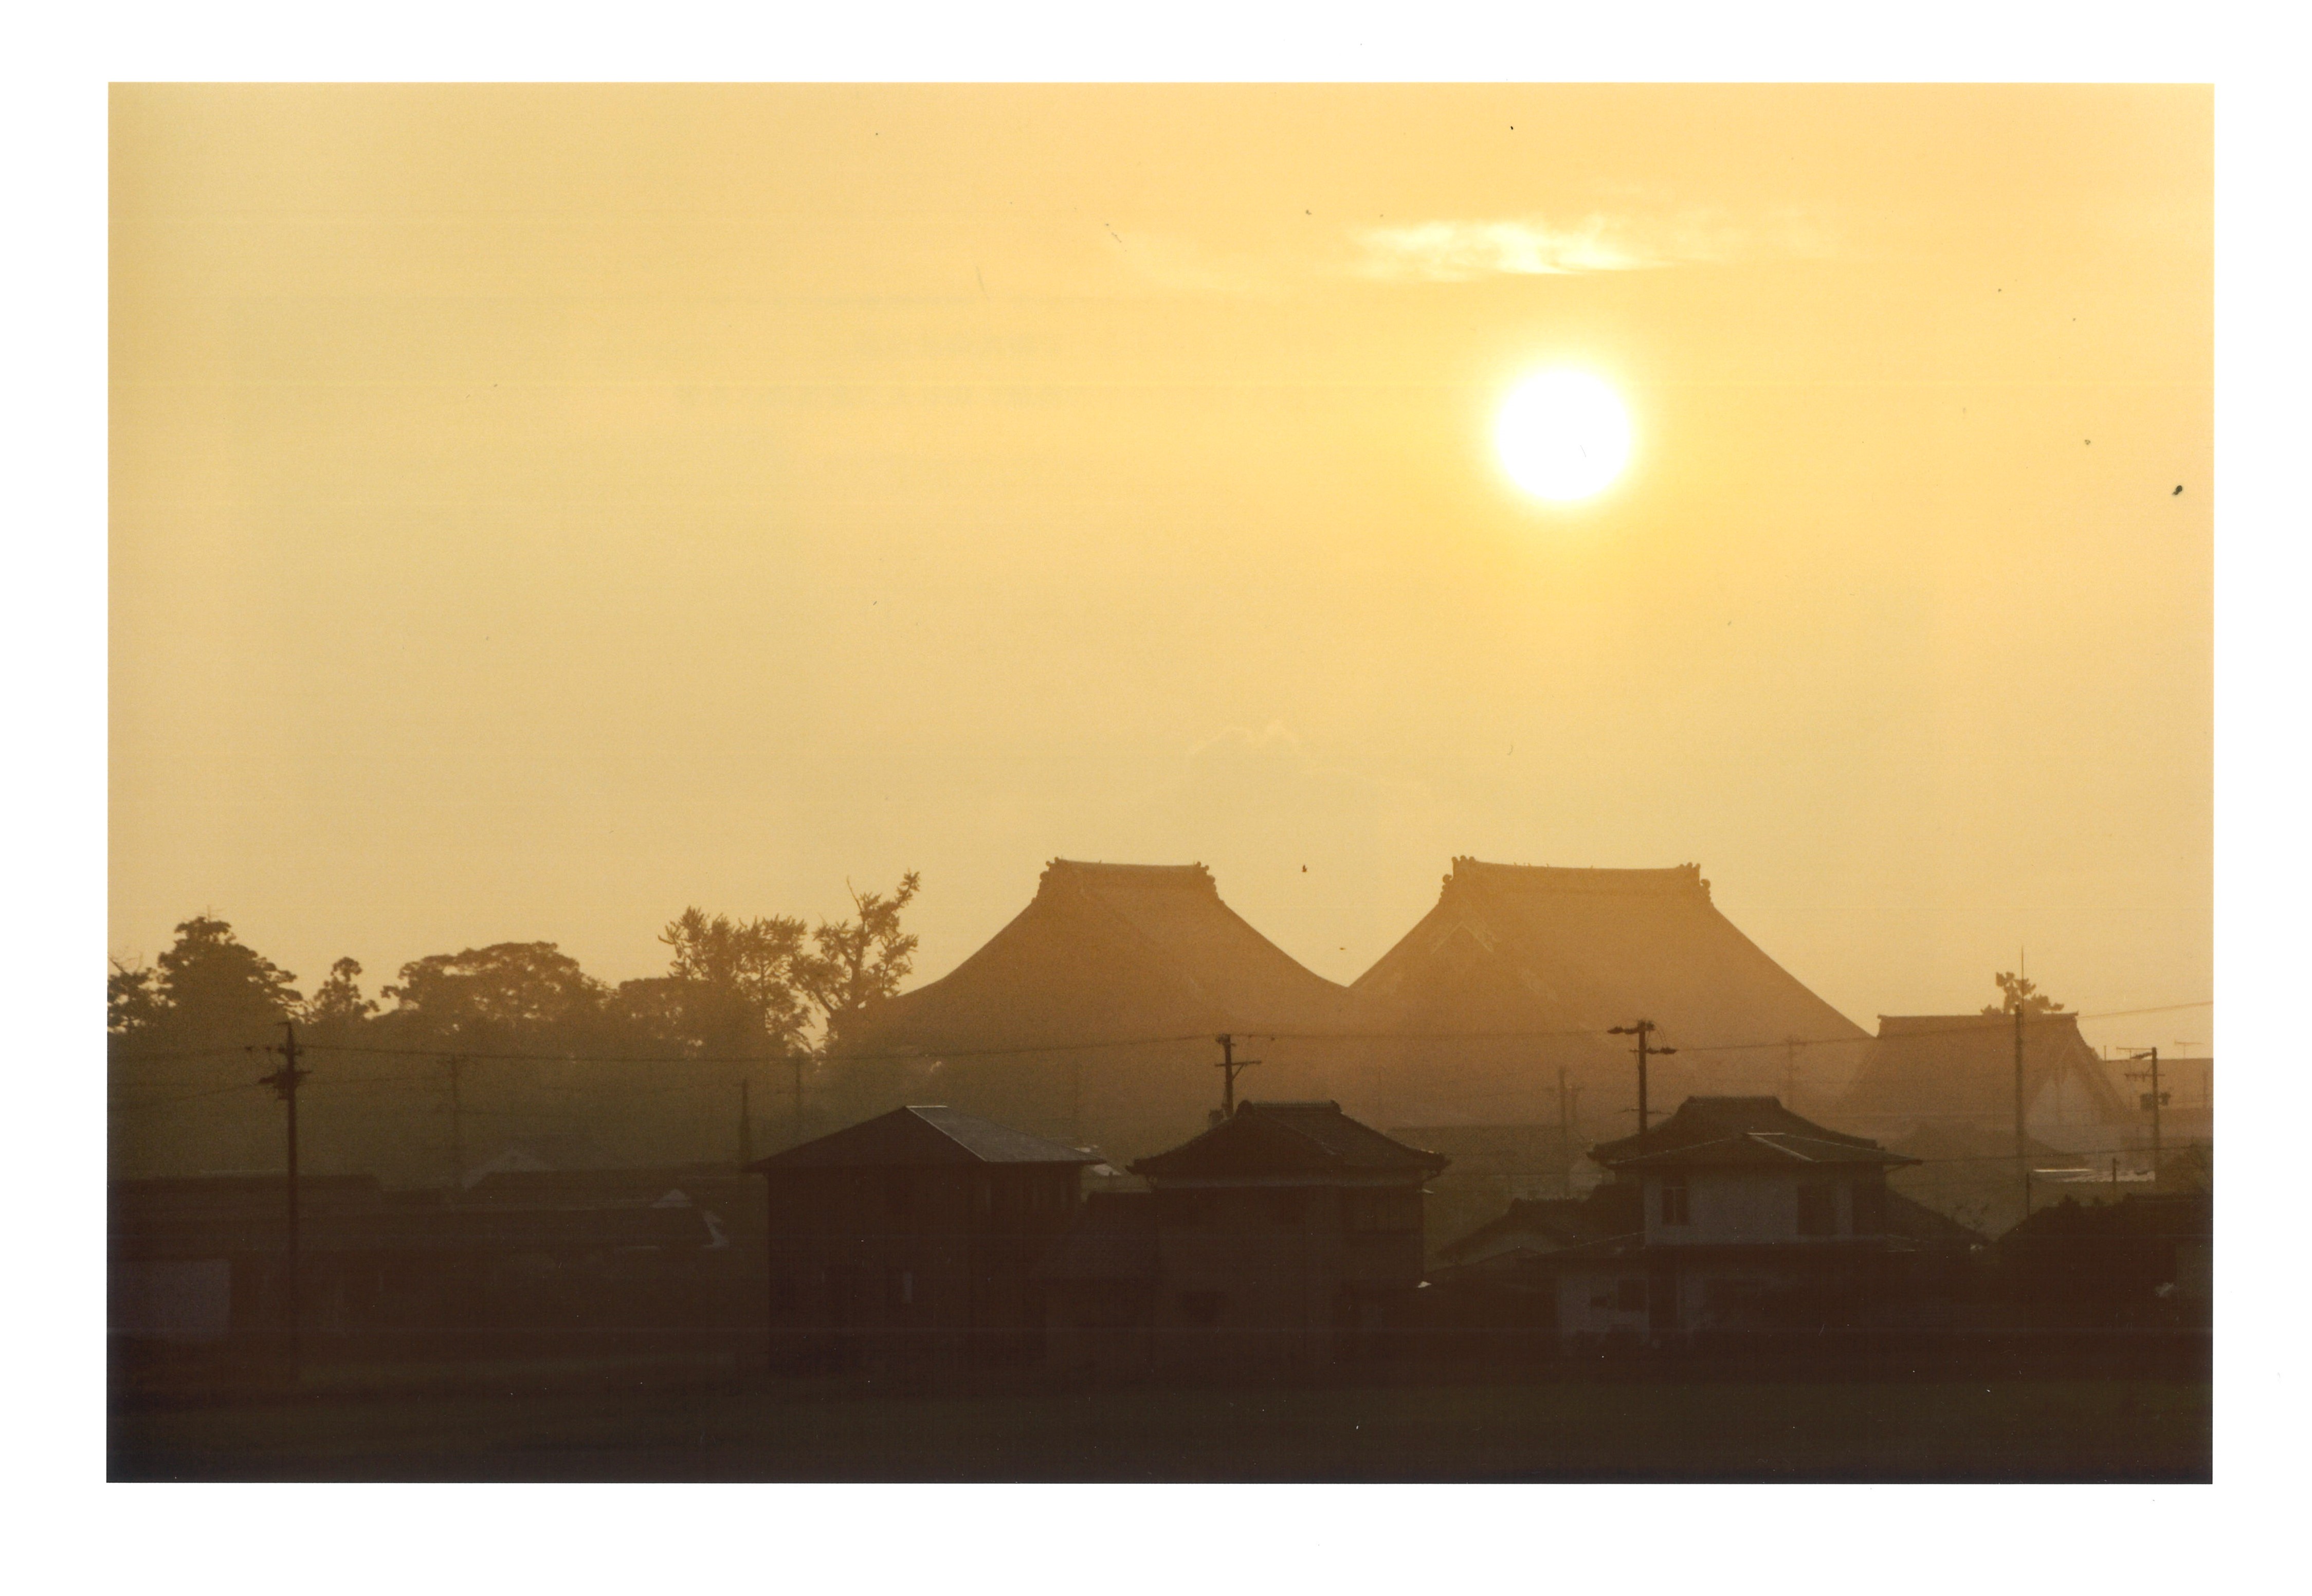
(1114, 1238)
(1552, 1224)
(1756, 1131)
(1288, 1138)
(923, 1134)
(1915, 1222)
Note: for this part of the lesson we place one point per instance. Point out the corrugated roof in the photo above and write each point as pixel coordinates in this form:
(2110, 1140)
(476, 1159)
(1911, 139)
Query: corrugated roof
(1288, 1139)
(923, 1134)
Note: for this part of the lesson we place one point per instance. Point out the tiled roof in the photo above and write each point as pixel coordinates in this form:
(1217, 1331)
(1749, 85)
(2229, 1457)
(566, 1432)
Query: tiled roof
(1931, 1065)
(1919, 1222)
(921, 1135)
(1556, 1223)
(1288, 1139)
(1740, 1130)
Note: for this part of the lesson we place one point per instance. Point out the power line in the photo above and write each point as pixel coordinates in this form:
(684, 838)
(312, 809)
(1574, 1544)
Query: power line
(937, 1055)
(184, 1097)
(116, 1057)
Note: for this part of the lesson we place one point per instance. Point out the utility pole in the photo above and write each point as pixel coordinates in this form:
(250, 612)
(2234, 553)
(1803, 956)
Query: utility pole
(2153, 1100)
(1643, 1030)
(457, 1131)
(1229, 1066)
(2022, 1145)
(1565, 1139)
(284, 1082)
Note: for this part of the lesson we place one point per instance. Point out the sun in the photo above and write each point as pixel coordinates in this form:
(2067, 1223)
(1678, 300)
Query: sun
(1562, 435)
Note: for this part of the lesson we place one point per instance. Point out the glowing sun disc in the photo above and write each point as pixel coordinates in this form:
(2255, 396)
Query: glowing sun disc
(1562, 435)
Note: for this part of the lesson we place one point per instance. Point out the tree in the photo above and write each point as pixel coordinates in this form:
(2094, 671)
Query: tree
(2019, 991)
(528, 995)
(729, 986)
(855, 964)
(208, 991)
(132, 1000)
(338, 1006)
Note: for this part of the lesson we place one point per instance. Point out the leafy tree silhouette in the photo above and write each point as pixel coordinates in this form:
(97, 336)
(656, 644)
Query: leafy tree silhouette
(729, 986)
(2019, 991)
(338, 1009)
(516, 996)
(855, 964)
(207, 990)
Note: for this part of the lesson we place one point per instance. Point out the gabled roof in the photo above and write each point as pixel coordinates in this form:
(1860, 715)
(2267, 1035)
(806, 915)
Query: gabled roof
(1548, 1224)
(1288, 1139)
(1915, 1221)
(1754, 1131)
(1958, 1066)
(923, 1134)
(1111, 953)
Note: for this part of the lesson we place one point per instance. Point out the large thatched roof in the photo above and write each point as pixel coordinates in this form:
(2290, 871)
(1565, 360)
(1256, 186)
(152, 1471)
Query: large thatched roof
(1561, 954)
(1539, 945)
(1113, 952)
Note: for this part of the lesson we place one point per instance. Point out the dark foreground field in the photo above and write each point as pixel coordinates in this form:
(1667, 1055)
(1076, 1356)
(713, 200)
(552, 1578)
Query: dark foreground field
(672, 1426)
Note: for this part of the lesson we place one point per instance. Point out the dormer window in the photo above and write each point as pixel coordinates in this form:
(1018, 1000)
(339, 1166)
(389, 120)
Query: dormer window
(1676, 1206)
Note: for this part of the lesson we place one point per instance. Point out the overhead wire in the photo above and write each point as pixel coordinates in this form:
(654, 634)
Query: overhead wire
(926, 1055)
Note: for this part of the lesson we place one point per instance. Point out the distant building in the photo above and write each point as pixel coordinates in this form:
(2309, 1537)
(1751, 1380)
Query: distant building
(1959, 1069)
(1519, 969)
(2189, 1086)
(908, 1239)
(1752, 1219)
(1288, 1235)
(1049, 1025)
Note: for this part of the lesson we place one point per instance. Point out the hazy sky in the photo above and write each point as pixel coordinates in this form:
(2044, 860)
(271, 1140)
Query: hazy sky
(537, 510)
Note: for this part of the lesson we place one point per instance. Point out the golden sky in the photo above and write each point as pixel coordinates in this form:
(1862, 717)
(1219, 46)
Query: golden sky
(535, 510)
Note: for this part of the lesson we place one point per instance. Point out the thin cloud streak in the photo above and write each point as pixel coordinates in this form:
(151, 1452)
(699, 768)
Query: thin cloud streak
(1462, 251)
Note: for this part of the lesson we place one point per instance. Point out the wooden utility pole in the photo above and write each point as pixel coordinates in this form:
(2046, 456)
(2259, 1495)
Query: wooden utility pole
(457, 1131)
(2153, 1100)
(1564, 1140)
(1643, 1030)
(1229, 1066)
(2022, 1139)
(284, 1082)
